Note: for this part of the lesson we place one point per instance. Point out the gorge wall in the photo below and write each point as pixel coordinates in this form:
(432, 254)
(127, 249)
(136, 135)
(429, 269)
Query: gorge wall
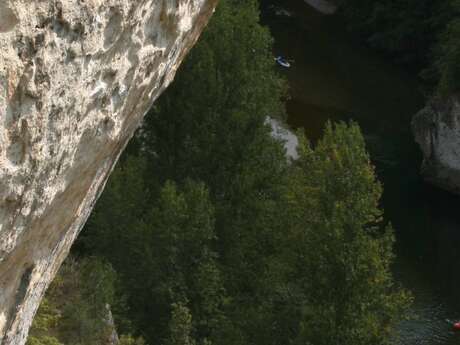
(76, 78)
(436, 129)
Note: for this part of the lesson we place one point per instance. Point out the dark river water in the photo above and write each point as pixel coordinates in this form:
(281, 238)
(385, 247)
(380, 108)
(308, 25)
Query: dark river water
(334, 77)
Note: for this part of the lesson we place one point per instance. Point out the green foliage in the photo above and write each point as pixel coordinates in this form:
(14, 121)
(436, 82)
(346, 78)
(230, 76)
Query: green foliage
(421, 34)
(74, 310)
(448, 62)
(209, 126)
(170, 247)
(406, 29)
(217, 239)
(180, 326)
(48, 316)
(340, 253)
(130, 340)
(83, 292)
(121, 206)
(206, 123)
(43, 340)
(179, 236)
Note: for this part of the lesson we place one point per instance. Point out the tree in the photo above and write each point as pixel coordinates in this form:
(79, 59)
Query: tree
(180, 326)
(339, 250)
(217, 238)
(130, 340)
(448, 57)
(204, 126)
(421, 34)
(121, 206)
(169, 248)
(181, 232)
(47, 318)
(74, 311)
(210, 126)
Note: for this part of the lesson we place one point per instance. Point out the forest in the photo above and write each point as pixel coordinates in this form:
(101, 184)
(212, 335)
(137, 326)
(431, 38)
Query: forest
(422, 35)
(207, 233)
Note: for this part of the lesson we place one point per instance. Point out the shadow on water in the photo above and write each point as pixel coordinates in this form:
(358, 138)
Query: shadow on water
(334, 77)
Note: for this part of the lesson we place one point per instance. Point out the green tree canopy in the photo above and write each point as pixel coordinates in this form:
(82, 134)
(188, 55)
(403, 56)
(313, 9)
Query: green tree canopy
(338, 250)
(217, 238)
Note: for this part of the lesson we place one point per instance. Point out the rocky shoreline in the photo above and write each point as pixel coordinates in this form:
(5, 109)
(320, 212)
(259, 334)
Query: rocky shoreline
(323, 6)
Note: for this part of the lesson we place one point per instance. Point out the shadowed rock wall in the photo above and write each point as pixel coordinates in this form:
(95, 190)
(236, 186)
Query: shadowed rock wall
(436, 129)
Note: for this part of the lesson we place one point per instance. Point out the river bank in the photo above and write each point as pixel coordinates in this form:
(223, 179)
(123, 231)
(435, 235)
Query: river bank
(323, 6)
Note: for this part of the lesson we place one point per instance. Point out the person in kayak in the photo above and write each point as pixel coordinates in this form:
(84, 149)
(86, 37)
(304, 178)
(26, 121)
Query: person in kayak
(282, 62)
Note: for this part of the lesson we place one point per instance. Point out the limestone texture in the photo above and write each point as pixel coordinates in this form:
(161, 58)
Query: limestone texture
(76, 78)
(436, 129)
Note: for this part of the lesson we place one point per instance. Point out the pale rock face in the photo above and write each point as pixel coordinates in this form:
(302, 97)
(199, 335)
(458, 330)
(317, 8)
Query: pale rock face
(437, 130)
(285, 136)
(76, 78)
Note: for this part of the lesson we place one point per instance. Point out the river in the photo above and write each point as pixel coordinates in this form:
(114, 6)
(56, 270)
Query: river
(334, 77)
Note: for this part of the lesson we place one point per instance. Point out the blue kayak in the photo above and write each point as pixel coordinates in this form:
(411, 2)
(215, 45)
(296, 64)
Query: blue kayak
(282, 62)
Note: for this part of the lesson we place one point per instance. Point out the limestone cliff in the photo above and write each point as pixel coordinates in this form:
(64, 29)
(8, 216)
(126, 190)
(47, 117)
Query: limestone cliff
(437, 130)
(76, 78)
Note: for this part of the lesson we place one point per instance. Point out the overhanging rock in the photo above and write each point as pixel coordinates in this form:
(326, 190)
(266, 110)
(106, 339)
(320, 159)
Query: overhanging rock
(76, 78)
